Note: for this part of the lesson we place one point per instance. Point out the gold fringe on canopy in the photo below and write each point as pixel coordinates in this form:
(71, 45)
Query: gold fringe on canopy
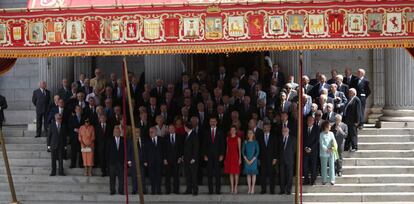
(206, 49)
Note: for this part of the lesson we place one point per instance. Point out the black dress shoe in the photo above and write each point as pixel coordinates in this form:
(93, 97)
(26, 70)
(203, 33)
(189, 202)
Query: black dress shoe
(176, 192)
(134, 192)
(187, 192)
(281, 192)
(272, 192)
(37, 136)
(288, 193)
(218, 193)
(62, 174)
(71, 166)
(52, 174)
(112, 193)
(262, 192)
(210, 192)
(195, 193)
(103, 175)
(121, 193)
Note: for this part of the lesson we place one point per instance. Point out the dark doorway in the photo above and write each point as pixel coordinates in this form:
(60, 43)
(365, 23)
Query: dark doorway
(210, 62)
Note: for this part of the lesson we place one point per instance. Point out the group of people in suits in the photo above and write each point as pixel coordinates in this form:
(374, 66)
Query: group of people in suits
(202, 126)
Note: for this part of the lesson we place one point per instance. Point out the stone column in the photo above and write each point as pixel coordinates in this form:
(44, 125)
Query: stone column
(82, 65)
(289, 61)
(377, 85)
(399, 89)
(167, 67)
(55, 70)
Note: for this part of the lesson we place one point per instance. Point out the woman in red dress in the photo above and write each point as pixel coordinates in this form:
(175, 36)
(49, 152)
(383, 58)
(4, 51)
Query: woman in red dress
(233, 159)
(179, 126)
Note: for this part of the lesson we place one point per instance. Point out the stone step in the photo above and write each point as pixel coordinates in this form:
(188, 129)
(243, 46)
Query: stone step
(379, 153)
(379, 197)
(378, 161)
(386, 145)
(378, 170)
(25, 140)
(25, 147)
(172, 198)
(386, 131)
(70, 179)
(385, 138)
(203, 189)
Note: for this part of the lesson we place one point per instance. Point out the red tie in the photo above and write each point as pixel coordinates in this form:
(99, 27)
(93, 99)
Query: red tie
(212, 134)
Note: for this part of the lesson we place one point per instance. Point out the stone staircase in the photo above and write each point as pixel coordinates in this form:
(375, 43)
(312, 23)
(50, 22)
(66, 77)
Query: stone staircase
(382, 171)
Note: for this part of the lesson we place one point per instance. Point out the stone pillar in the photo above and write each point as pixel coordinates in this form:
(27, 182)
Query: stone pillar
(377, 85)
(82, 65)
(167, 67)
(289, 61)
(399, 89)
(55, 70)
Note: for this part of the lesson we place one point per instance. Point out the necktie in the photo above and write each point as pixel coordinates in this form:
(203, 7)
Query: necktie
(117, 143)
(153, 141)
(266, 138)
(309, 131)
(58, 127)
(43, 91)
(212, 135)
(172, 139)
(285, 142)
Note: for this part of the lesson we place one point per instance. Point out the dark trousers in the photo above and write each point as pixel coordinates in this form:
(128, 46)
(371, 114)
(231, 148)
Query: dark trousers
(133, 173)
(363, 102)
(57, 155)
(41, 119)
(76, 154)
(338, 162)
(352, 139)
(310, 161)
(100, 157)
(213, 170)
(286, 177)
(190, 171)
(155, 174)
(171, 170)
(116, 170)
(267, 172)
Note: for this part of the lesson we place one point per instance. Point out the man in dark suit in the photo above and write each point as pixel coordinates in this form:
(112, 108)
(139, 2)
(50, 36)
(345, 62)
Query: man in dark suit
(75, 121)
(64, 91)
(213, 152)
(277, 75)
(339, 98)
(334, 73)
(287, 161)
(348, 78)
(306, 86)
(56, 143)
(86, 88)
(103, 132)
(330, 114)
(159, 90)
(3, 105)
(190, 157)
(115, 156)
(310, 151)
(41, 99)
(152, 110)
(182, 85)
(341, 87)
(352, 118)
(317, 89)
(153, 160)
(173, 155)
(268, 157)
(131, 162)
(61, 109)
(361, 85)
(81, 82)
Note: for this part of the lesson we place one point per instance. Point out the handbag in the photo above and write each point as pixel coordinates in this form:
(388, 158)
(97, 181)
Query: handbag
(86, 149)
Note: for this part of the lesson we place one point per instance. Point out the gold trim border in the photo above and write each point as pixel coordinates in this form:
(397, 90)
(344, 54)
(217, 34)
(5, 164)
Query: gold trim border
(206, 49)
